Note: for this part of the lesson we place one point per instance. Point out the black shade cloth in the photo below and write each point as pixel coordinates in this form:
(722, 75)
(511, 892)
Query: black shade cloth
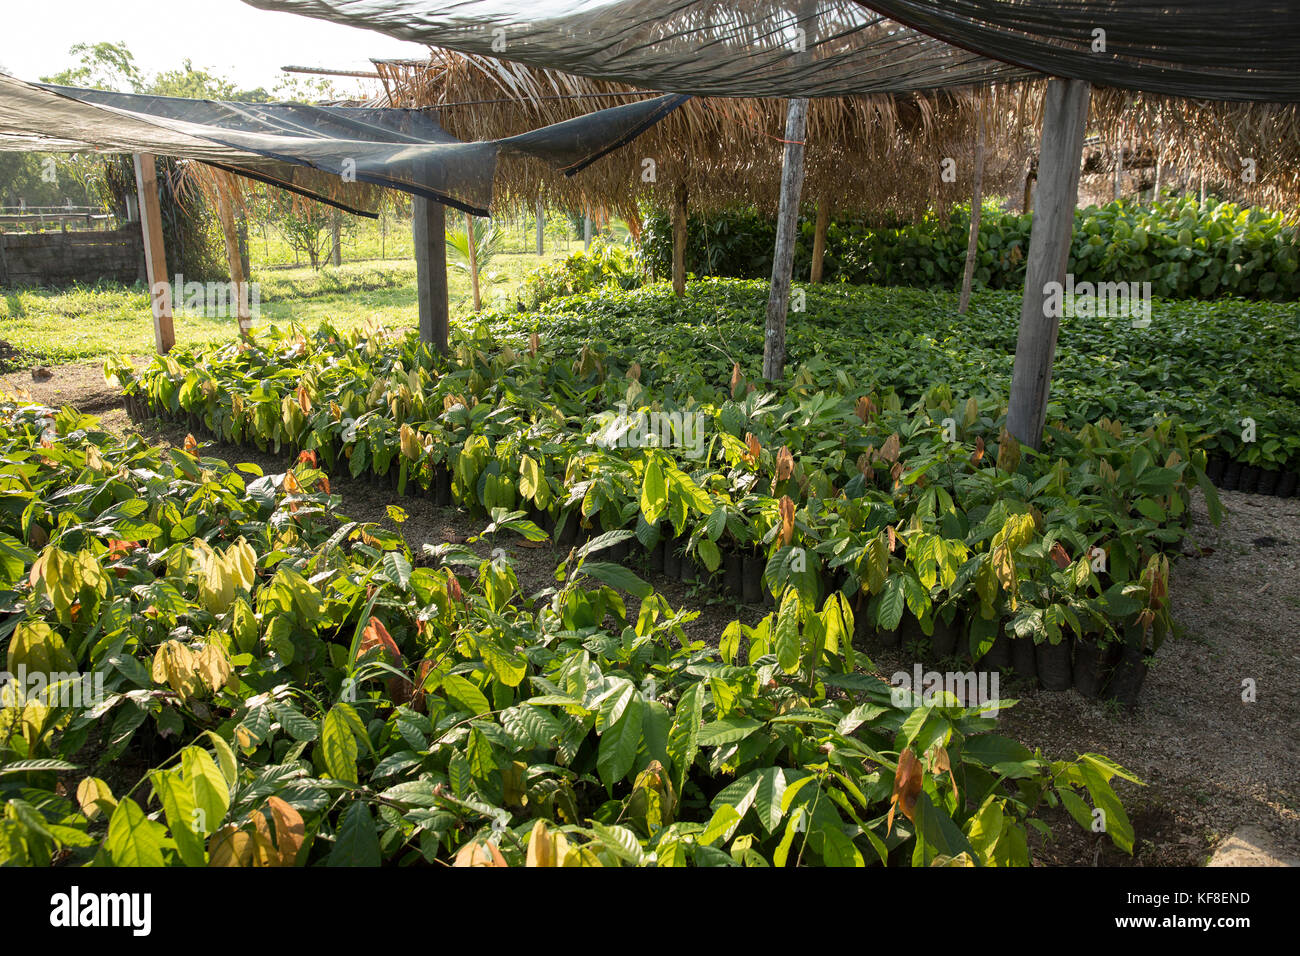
(761, 48)
(318, 151)
(1213, 49)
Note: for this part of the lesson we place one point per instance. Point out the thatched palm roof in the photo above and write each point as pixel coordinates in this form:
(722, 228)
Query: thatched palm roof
(875, 155)
(864, 154)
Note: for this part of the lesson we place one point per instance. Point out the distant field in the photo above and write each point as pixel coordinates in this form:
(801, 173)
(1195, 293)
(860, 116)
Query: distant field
(94, 322)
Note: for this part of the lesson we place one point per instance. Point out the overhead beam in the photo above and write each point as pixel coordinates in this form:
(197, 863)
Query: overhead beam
(429, 229)
(787, 227)
(1065, 116)
(155, 253)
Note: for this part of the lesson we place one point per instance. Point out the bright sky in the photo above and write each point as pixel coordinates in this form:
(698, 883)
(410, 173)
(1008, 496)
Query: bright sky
(226, 37)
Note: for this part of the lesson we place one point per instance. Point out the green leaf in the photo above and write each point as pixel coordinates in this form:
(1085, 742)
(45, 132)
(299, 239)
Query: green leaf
(722, 824)
(295, 723)
(728, 730)
(619, 742)
(786, 635)
(187, 826)
(654, 491)
(339, 746)
(355, 841)
(617, 576)
(889, 612)
(208, 786)
(133, 839)
(465, 695)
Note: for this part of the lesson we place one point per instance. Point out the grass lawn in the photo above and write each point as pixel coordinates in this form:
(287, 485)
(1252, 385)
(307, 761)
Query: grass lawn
(94, 322)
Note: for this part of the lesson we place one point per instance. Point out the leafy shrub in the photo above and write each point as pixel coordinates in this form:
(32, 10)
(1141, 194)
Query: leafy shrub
(816, 477)
(303, 691)
(1184, 249)
(604, 265)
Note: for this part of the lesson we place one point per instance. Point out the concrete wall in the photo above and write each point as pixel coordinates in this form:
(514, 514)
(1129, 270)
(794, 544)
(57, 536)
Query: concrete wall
(62, 258)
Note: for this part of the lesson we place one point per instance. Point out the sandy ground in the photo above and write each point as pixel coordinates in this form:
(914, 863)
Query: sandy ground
(1210, 760)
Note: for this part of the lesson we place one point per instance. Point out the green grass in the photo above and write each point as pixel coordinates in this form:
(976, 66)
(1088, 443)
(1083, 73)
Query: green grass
(91, 323)
(369, 240)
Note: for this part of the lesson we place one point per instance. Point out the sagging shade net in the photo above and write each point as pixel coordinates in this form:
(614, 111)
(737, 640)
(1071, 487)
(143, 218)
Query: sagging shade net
(1213, 49)
(330, 153)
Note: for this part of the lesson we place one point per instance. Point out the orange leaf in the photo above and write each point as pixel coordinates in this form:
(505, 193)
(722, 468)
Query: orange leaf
(191, 445)
(784, 464)
(289, 829)
(376, 635)
(479, 854)
(787, 520)
(1060, 556)
(979, 450)
(865, 408)
(908, 779)
(307, 458)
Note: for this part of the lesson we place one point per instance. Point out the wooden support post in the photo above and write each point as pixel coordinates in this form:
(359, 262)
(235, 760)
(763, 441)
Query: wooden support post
(976, 208)
(1155, 188)
(541, 228)
(679, 239)
(336, 238)
(155, 255)
(472, 245)
(1028, 205)
(1119, 165)
(1065, 116)
(586, 232)
(429, 230)
(819, 239)
(787, 226)
(238, 279)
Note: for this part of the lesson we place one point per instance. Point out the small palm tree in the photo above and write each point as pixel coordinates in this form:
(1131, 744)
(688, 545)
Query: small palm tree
(474, 259)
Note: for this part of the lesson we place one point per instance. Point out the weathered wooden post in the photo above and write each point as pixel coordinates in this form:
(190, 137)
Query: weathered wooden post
(238, 278)
(819, 240)
(429, 230)
(679, 239)
(976, 207)
(787, 225)
(541, 227)
(155, 254)
(1065, 116)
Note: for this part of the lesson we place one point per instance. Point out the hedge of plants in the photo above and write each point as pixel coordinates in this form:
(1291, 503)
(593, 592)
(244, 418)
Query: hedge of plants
(275, 685)
(1227, 369)
(1184, 248)
(909, 500)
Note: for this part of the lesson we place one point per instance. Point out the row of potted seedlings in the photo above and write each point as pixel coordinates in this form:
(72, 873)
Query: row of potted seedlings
(1232, 474)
